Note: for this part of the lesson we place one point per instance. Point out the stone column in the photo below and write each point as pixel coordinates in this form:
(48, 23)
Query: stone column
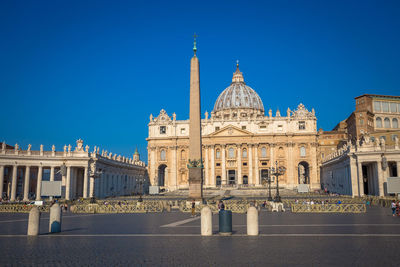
(397, 163)
(380, 178)
(85, 182)
(174, 176)
(116, 184)
(68, 184)
(26, 183)
(14, 183)
(223, 176)
(360, 181)
(152, 165)
(91, 187)
(291, 178)
(1, 180)
(250, 155)
(103, 184)
(39, 183)
(212, 178)
(257, 172)
(207, 177)
(239, 165)
(314, 183)
(52, 173)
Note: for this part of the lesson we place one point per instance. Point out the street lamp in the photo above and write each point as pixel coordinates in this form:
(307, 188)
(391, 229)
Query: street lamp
(269, 187)
(277, 171)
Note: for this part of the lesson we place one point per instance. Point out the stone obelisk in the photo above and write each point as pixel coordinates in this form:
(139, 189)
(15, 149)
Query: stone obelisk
(195, 164)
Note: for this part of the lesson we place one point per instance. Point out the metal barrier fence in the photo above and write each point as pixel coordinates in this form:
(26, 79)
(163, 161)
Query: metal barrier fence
(123, 207)
(21, 208)
(329, 208)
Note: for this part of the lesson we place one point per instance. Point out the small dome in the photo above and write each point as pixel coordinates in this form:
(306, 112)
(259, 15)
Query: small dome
(238, 95)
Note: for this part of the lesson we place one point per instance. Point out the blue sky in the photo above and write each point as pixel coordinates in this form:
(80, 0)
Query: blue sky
(96, 69)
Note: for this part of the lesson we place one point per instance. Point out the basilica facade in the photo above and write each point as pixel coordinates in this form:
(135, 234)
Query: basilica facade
(240, 143)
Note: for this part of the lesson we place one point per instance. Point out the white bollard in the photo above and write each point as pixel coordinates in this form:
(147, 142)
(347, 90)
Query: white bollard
(252, 221)
(34, 221)
(55, 219)
(206, 221)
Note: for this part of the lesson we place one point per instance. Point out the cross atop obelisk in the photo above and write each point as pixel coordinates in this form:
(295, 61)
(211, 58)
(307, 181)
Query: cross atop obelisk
(195, 164)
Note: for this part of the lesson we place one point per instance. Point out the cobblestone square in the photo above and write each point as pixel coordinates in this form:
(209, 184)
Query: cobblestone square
(173, 239)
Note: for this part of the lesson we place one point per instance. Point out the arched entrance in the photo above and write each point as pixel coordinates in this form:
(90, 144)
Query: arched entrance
(264, 176)
(161, 174)
(231, 177)
(245, 179)
(303, 173)
(218, 180)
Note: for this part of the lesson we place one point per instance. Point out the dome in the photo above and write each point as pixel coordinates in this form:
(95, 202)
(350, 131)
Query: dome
(238, 96)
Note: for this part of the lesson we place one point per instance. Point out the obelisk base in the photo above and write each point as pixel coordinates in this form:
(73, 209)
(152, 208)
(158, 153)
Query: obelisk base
(196, 183)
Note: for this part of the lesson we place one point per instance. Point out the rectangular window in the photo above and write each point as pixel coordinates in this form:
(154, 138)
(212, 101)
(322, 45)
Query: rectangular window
(183, 130)
(263, 127)
(302, 125)
(384, 137)
(163, 129)
(361, 121)
(377, 106)
(372, 139)
(394, 136)
(244, 163)
(217, 128)
(243, 127)
(393, 107)
(280, 128)
(385, 106)
(218, 164)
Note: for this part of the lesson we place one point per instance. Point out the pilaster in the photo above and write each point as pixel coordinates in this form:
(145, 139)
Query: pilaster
(39, 183)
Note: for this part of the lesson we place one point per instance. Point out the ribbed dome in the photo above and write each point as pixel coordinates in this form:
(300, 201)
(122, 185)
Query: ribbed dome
(238, 96)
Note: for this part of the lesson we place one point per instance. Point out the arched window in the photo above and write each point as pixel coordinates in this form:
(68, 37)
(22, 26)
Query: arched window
(378, 122)
(245, 179)
(387, 123)
(218, 154)
(263, 152)
(218, 180)
(163, 154)
(395, 123)
(183, 154)
(244, 153)
(302, 151)
(231, 153)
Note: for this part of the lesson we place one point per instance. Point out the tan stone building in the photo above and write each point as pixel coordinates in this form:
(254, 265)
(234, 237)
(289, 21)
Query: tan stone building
(361, 165)
(374, 113)
(82, 173)
(239, 144)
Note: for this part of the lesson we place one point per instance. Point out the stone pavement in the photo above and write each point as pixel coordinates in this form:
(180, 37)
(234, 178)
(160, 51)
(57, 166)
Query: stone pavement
(173, 239)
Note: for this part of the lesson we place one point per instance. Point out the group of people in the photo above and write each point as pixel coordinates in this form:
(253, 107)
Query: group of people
(395, 208)
(221, 206)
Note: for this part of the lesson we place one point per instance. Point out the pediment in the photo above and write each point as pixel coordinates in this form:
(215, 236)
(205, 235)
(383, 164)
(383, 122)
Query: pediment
(231, 130)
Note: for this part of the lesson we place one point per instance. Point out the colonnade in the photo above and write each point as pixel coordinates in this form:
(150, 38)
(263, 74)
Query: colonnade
(27, 174)
(77, 181)
(373, 176)
(247, 167)
(118, 183)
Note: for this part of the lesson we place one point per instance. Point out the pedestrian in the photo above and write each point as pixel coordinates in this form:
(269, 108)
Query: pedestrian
(393, 205)
(222, 205)
(397, 208)
(193, 208)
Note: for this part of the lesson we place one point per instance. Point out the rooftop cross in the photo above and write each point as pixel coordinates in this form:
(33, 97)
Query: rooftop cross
(194, 43)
